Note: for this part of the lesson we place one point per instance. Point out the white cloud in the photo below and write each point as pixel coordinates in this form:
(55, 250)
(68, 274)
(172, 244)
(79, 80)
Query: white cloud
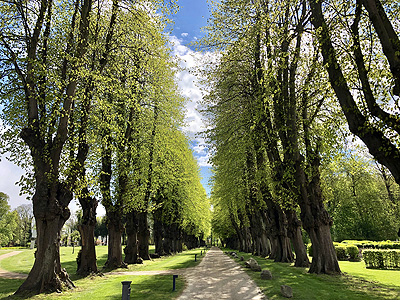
(190, 88)
(184, 34)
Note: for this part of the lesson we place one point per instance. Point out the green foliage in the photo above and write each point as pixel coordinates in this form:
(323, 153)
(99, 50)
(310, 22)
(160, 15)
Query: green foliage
(373, 245)
(358, 200)
(341, 252)
(8, 221)
(352, 251)
(382, 259)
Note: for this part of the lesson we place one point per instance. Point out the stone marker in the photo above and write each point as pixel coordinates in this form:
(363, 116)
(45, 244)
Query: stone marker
(286, 291)
(253, 265)
(266, 274)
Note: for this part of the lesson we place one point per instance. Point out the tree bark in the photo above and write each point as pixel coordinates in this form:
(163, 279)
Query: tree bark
(87, 255)
(158, 232)
(295, 235)
(115, 228)
(143, 235)
(46, 274)
(131, 249)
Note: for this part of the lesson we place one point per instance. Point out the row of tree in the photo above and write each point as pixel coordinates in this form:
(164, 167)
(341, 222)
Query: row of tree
(91, 107)
(271, 104)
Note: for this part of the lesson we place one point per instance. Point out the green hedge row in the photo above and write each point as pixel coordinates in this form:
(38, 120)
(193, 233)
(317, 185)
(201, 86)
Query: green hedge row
(343, 251)
(373, 245)
(382, 259)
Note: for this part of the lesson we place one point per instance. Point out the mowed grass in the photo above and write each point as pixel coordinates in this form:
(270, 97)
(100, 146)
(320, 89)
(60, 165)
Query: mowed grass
(306, 286)
(108, 286)
(157, 287)
(23, 262)
(389, 278)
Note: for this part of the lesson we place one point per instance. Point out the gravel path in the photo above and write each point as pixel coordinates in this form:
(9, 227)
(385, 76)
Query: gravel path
(219, 277)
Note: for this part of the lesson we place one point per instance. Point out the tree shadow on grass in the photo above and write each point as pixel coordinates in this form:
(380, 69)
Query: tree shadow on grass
(312, 286)
(9, 286)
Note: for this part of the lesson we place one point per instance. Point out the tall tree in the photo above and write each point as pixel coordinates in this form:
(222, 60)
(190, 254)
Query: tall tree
(365, 100)
(32, 45)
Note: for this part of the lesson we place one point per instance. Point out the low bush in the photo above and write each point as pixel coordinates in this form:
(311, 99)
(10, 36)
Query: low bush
(352, 252)
(382, 259)
(341, 252)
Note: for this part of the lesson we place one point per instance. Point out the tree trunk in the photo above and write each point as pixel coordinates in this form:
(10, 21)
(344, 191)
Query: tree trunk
(87, 263)
(281, 250)
(143, 236)
(316, 220)
(158, 232)
(115, 228)
(46, 274)
(265, 241)
(295, 235)
(87, 255)
(131, 249)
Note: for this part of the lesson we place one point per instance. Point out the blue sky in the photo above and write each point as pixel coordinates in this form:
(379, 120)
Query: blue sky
(192, 16)
(189, 20)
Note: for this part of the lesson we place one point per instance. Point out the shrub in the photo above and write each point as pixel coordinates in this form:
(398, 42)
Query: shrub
(352, 252)
(341, 252)
(382, 259)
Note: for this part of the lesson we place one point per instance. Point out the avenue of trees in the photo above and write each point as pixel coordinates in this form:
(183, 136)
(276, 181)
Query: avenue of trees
(91, 110)
(290, 77)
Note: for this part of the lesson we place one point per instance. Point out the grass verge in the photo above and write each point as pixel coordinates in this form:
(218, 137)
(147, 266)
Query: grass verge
(108, 286)
(310, 286)
(158, 287)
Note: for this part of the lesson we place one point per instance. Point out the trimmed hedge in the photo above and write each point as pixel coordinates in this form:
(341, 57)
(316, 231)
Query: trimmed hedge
(373, 245)
(352, 252)
(343, 251)
(382, 259)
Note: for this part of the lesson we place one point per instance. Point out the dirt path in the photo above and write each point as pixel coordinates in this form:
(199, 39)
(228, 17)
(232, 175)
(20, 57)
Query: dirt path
(219, 277)
(11, 275)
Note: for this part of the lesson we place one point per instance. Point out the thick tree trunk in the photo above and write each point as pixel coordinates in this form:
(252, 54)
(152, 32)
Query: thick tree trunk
(46, 274)
(316, 220)
(324, 256)
(87, 255)
(87, 263)
(131, 249)
(265, 241)
(115, 228)
(143, 236)
(295, 235)
(281, 250)
(158, 232)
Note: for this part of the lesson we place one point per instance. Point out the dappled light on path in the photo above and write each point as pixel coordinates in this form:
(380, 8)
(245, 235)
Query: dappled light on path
(219, 277)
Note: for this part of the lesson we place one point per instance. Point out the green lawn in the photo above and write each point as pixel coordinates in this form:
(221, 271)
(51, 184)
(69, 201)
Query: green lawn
(109, 286)
(357, 282)
(358, 269)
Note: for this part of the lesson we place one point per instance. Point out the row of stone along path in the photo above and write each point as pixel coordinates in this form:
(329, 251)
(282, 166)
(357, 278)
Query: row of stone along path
(216, 277)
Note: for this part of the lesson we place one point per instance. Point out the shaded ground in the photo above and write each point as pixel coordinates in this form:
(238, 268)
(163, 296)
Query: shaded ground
(219, 277)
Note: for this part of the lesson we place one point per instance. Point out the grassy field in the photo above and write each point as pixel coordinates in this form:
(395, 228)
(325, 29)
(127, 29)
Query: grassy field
(108, 286)
(357, 283)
